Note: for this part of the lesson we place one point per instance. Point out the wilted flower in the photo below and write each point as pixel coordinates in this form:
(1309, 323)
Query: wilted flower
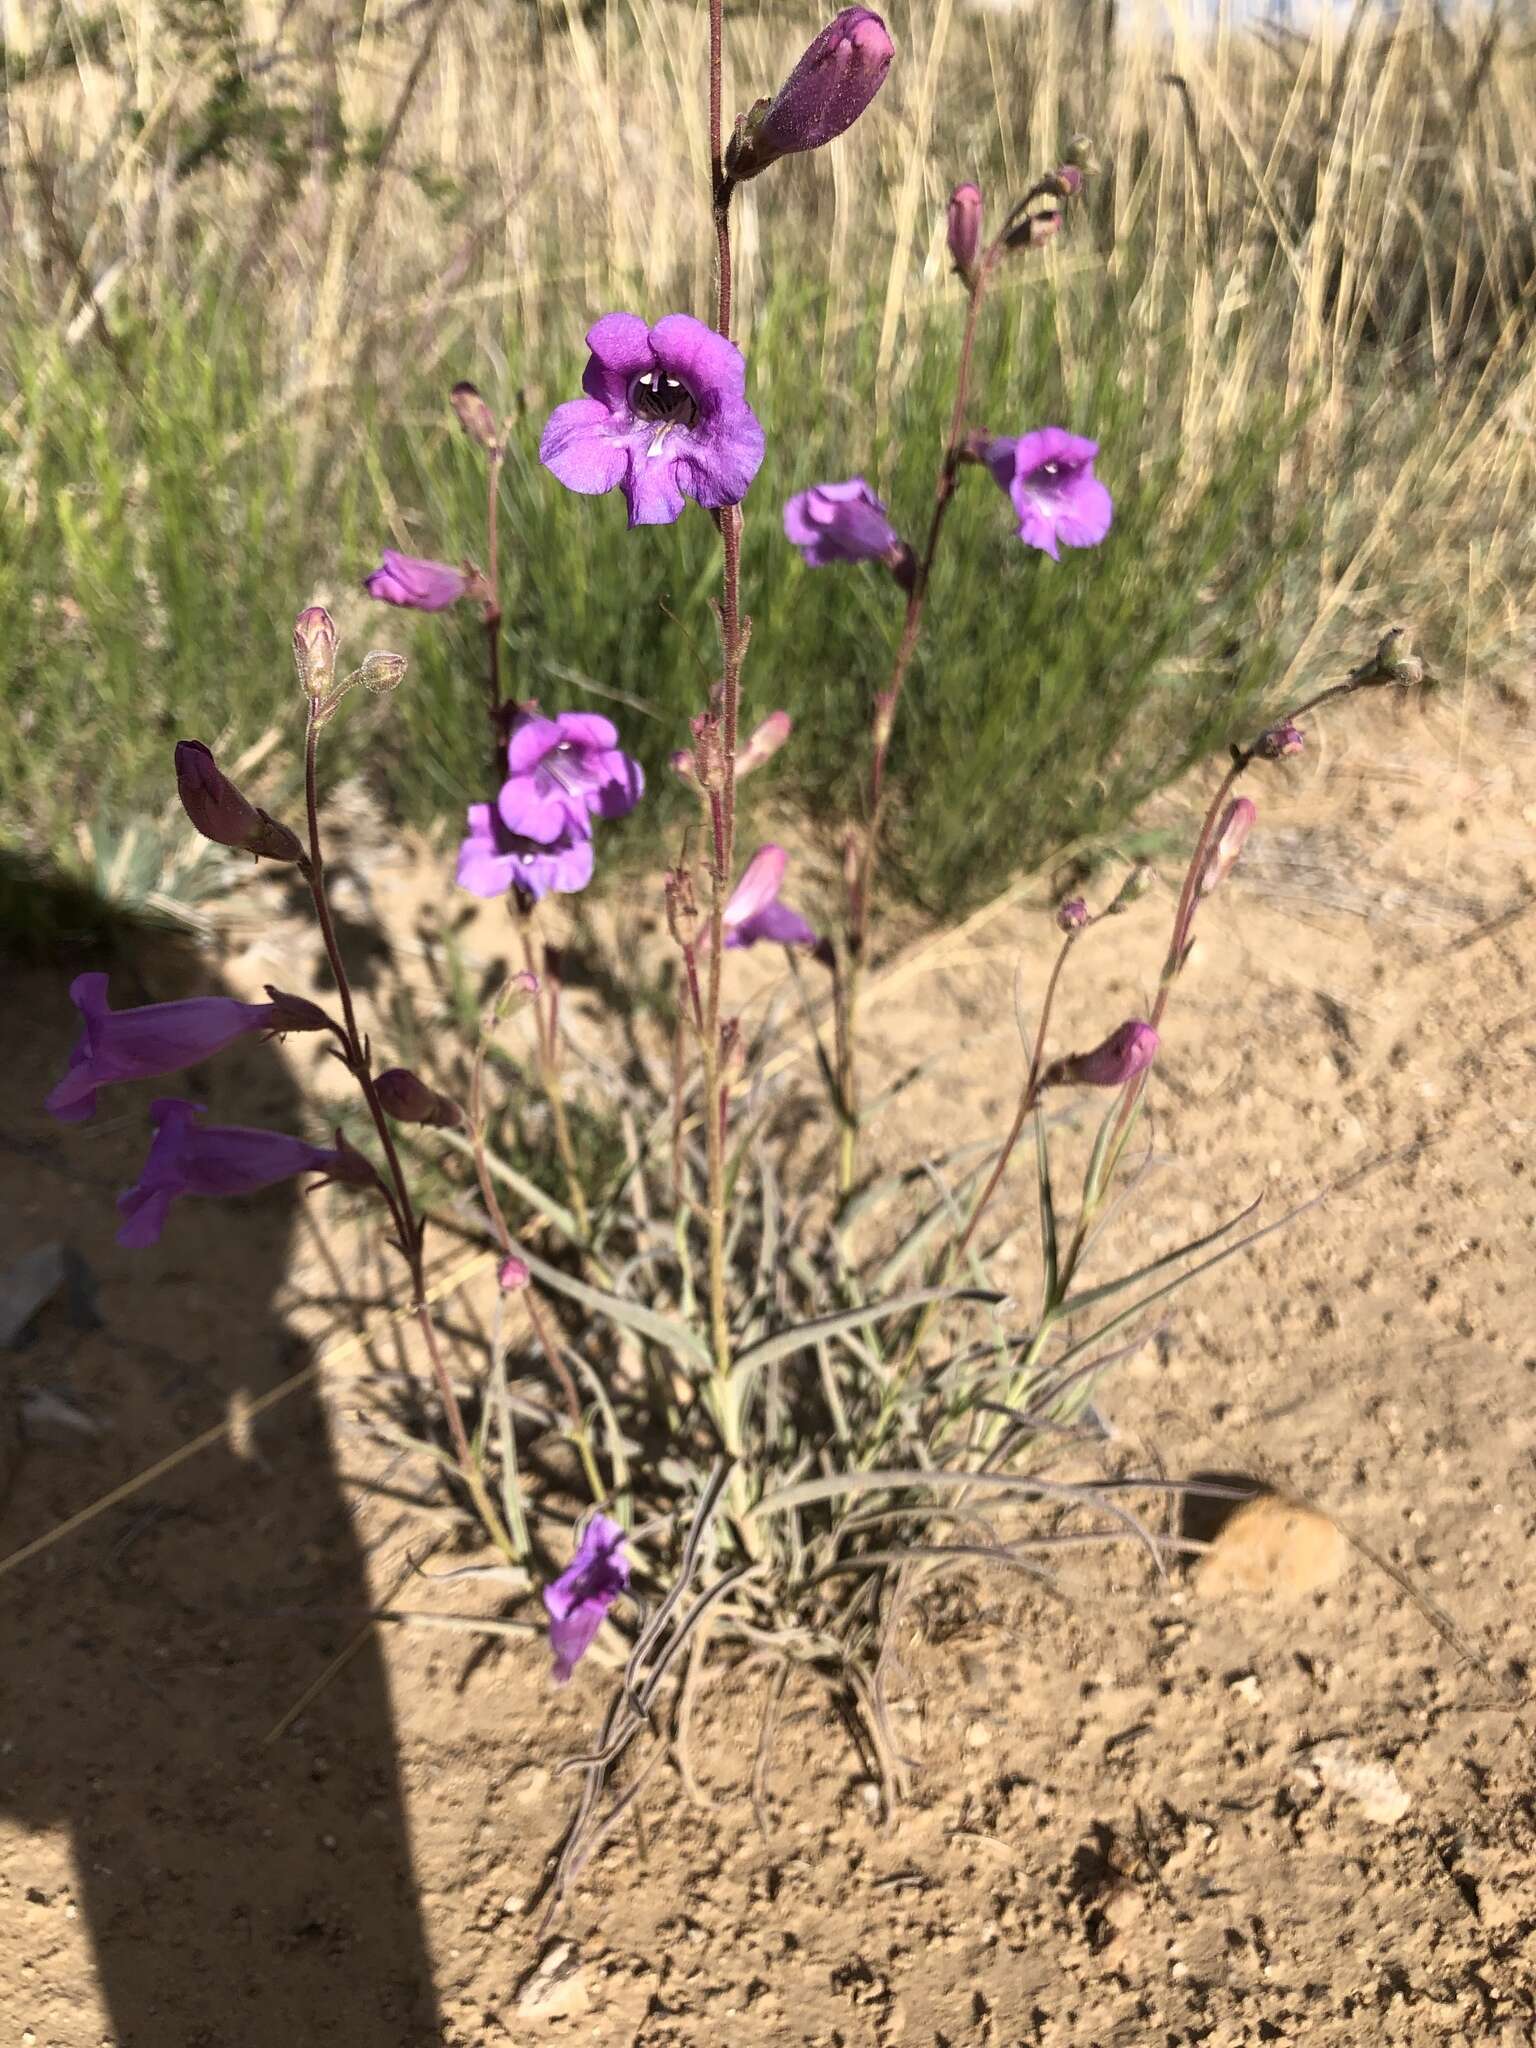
(1122, 1056)
(158, 1038)
(221, 813)
(493, 860)
(754, 911)
(1049, 477)
(565, 771)
(824, 95)
(1280, 740)
(416, 582)
(1236, 824)
(580, 1598)
(407, 1098)
(839, 523)
(1072, 915)
(665, 418)
(965, 228)
(188, 1158)
(475, 416)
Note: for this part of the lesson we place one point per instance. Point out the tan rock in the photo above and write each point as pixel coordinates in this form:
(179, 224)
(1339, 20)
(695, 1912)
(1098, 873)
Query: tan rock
(1272, 1545)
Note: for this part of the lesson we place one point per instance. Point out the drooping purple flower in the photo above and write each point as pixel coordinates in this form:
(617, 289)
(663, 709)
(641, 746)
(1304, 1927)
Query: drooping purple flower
(665, 418)
(493, 860)
(754, 911)
(1049, 477)
(157, 1038)
(839, 523)
(1123, 1055)
(835, 80)
(189, 1158)
(406, 1098)
(580, 1598)
(414, 581)
(563, 773)
(964, 228)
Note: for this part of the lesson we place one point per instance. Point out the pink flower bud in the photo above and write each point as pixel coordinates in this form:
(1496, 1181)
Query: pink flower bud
(965, 228)
(409, 1100)
(1072, 915)
(1236, 824)
(1279, 741)
(221, 813)
(824, 95)
(1066, 181)
(512, 1275)
(475, 416)
(314, 649)
(1123, 1055)
(764, 743)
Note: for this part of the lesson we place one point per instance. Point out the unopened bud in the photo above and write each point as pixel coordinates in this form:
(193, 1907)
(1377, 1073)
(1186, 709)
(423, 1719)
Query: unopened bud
(902, 563)
(296, 1013)
(1080, 155)
(1072, 916)
(965, 215)
(221, 813)
(1236, 824)
(1133, 888)
(1281, 740)
(1123, 1055)
(512, 1275)
(763, 744)
(1066, 181)
(314, 649)
(835, 80)
(381, 672)
(475, 416)
(682, 763)
(1390, 647)
(352, 1168)
(408, 1099)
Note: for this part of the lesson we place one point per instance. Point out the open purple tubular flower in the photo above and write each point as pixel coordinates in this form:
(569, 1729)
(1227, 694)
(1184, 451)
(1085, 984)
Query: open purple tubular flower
(665, 418)
(493, 860)
(157, 1038)
(839, 523)
(1123, 1055)
(414, 581)
(1049, 477)
(189, 1158)
(835, 80)
(580, 1598)
(754, 911)
(564, 772)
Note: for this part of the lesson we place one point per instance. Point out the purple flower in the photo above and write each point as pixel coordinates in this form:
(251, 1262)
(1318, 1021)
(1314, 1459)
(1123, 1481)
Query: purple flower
(412, 580)
(839, 523)
(665, 418)
(1281, 740)
(1049, 477)
(188, 1158)
(754, 911)
(824, 95)
(582, 1595)
(1122, 1056)
(1072, 916)
(156, 1039)
(964, 233)
(564, 772)
(493, 860)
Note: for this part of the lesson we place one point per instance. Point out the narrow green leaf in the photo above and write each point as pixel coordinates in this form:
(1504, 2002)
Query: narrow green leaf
(1048, 1251)
(629, 1315)
(806, 1335)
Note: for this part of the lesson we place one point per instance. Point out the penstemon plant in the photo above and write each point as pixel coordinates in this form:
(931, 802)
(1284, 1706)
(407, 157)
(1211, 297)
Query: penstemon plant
(784, 1402)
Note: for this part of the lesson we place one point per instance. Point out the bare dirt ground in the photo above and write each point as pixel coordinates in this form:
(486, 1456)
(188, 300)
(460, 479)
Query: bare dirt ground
(1159, 1811)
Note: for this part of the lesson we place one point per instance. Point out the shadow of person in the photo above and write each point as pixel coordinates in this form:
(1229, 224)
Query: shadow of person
(237, 1890)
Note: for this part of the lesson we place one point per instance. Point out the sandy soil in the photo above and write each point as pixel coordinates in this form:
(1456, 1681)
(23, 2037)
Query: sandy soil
(1162, 1811)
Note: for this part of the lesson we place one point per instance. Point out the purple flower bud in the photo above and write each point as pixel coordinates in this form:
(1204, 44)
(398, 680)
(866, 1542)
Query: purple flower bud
(1072, 915)
(965, 228)
(512, 1275)
(1123, 1055)
(1066, 181)
(409, 1100)
(1279, 741)
(764, 743)
(414, 581)
(580, 1598)
(221, 813)
(314, 649)
(839, 523)
(1236, 824)
(824, 95)
(475, 416)
(188, 1158)
(295, 1013)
